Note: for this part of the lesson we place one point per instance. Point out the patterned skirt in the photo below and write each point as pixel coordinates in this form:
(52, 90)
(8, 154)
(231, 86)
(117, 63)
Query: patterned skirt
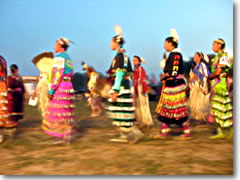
(15, 105)
(198, 103)
(221, 104)
(143, 113)
(5, 120)
(122, 112)
(172, 106)
(58, 119)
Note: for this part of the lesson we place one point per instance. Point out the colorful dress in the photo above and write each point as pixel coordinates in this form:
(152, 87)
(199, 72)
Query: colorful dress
(122, 112)
(198, 103)
(95, 99)
(143, 114)
(15, 96)
(59, 116)
(5, 120)
(221, 104)
(43, 62)
(172, 106)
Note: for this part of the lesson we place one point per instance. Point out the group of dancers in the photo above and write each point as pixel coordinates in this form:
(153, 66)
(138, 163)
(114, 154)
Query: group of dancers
(129, 110)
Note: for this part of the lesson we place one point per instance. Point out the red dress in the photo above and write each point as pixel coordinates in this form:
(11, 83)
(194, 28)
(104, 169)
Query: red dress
(143, 113)
(140, 78)
(15, 97)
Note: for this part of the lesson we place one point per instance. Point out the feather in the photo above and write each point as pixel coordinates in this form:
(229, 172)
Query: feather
(163, 63)
(205, 57)
(174, 34)
(143, 60)
(118, 30)
(65, 41)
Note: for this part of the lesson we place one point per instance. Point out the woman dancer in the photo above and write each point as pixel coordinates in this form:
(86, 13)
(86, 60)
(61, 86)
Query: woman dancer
(5, 121)
(199, 97)
(171, 108)
(15, 94)
(121, 110)
(143, 114)
(58, 120)
(221, 104)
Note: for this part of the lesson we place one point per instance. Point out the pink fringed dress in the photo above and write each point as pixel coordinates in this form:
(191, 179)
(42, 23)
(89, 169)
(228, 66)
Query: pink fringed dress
(58, 119)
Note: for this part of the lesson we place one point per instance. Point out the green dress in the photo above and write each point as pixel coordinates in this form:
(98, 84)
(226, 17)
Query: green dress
(221, 104)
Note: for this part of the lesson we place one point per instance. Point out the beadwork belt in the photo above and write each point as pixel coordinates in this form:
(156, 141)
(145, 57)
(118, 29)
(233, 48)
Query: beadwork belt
(66, 79)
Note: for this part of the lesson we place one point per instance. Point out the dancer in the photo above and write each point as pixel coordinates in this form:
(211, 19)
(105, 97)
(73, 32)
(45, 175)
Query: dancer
(171, 108)
(121, 110)
(44, 63)
(198, 104)
(141, 101)
(58, 120)
(5, 121)
(16, 92)
(94, 97)
(221, 105)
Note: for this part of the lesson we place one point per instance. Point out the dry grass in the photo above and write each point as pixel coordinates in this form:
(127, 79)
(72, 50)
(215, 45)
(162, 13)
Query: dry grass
(92, 154)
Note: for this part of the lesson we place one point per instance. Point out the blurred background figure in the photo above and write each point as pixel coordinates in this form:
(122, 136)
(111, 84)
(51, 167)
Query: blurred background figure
(5, 120)
(94, 97)
(141, 101)
(43, 62)
(16, 92)
(221, 110)
(198, 103)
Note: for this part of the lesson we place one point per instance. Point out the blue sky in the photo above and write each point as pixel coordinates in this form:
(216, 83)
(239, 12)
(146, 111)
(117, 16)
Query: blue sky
(29, 27)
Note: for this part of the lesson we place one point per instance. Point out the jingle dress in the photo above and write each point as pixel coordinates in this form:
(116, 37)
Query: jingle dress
(5, 120)
(172, 108)
(59, 116)
(122, 112)
(221, 105)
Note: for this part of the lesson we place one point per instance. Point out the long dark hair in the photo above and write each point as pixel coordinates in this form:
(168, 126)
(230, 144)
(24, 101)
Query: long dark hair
(202, 58)
(13, 68)
(173, 41)
(119, 39)
(222, 42)
(139, 59)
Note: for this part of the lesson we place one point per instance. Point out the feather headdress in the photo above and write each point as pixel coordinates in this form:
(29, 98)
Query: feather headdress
(174, 34)
(64, 41)
(143, 60)
(205, 57)
(119, 31)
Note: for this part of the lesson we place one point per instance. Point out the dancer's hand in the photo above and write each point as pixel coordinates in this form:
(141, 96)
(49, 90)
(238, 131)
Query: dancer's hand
(34, 95)
(50, 96)
(114, 96)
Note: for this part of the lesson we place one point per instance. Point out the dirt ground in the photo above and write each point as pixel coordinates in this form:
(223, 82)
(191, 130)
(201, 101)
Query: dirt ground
(30, 152)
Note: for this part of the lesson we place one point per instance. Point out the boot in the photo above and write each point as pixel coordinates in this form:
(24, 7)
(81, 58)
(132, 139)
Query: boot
(123, 136)
(229, 133)
(66, 140)
(136, 134)
(186, 132)
(220, 134)
(164, 132)
(10, 133)
(1, 138)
